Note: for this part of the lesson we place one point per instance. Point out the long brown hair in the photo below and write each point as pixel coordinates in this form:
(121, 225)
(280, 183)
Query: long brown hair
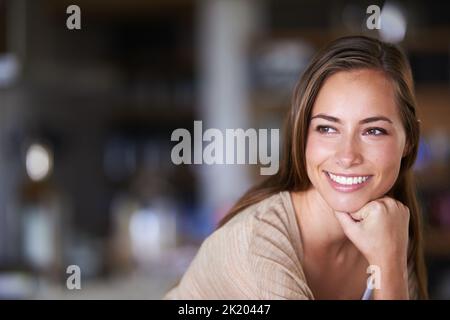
(345, 54)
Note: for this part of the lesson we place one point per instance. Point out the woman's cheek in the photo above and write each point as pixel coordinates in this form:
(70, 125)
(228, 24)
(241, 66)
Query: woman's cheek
(317, 151)
(387, 161)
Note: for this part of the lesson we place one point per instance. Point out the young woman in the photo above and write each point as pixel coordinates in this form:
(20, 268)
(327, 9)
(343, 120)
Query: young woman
(343, 202)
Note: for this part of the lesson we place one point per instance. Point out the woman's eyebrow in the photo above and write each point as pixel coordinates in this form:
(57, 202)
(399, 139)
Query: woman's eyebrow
(364, 121)
(373, 119)
(326, 117)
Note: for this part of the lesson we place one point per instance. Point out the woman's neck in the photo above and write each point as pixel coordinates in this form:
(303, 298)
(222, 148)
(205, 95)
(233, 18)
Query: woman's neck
(320, 230)
(333, 266)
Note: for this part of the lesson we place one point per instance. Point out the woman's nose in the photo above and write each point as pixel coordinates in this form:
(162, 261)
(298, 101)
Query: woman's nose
(349, 153)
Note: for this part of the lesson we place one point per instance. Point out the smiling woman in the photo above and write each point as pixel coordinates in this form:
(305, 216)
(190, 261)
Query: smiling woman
(355, 124)
(343, 201)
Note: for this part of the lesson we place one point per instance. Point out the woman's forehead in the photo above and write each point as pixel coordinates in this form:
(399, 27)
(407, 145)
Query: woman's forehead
(357, 93)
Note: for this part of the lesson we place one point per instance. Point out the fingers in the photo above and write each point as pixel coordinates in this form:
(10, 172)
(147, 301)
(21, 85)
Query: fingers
(378, 227)
(394, 206)
(361, 214)
(350, 227)
(368, 209)
(390, 204)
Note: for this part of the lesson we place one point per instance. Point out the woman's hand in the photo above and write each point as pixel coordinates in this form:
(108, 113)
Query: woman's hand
(380, 231)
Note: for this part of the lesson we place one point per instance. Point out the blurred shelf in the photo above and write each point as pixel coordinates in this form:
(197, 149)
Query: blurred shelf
(437, 242)
(433, 177)
(434, 106)
(152, 120)
(117, 8)
(429, 40)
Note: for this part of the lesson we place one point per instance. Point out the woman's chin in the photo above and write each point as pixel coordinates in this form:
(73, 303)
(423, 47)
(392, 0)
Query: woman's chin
(346, 207)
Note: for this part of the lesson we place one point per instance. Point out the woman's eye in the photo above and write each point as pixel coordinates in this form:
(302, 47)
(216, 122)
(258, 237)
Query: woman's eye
(325, 129)
(375, 132)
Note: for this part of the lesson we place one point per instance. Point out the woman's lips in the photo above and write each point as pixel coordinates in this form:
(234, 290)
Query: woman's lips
(347, 182)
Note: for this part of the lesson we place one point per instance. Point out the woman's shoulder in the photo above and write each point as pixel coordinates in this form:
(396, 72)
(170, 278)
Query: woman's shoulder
(221, 266)
(238, 233)
(273, 218)
(269, 221)
(251, 256)
(274, 247)
(273, 210)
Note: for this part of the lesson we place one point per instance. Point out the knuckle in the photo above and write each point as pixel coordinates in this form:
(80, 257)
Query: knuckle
(407, 212)
(377, 205)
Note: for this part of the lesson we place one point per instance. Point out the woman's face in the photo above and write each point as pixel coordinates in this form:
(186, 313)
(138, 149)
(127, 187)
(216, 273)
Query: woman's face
(355, 139)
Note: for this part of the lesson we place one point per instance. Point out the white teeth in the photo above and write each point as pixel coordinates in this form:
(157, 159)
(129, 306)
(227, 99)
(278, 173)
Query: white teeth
(348, 180)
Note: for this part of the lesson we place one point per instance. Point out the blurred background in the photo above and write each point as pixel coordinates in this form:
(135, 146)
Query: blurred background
(86, 118)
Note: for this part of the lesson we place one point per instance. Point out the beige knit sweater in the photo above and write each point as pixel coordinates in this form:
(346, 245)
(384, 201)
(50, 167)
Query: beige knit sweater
(256, 255)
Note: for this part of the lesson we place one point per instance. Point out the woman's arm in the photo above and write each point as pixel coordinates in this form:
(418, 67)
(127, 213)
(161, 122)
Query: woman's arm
(380, 231)
(393, 281)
